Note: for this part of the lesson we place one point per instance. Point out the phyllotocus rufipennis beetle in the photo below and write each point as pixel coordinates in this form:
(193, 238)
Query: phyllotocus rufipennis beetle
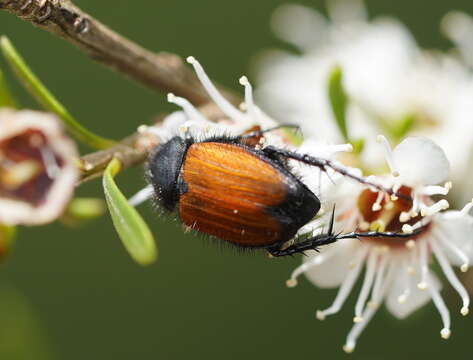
(245, 195)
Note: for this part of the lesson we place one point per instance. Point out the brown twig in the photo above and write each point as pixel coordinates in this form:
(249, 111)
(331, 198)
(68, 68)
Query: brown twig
(160, 71)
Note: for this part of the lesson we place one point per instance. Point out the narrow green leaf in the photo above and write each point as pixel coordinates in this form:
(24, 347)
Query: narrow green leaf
(338, 99)
(130, 226)
(6, 99)
(47, 99)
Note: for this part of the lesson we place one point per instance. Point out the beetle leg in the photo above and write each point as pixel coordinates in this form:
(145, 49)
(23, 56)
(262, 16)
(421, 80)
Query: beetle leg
(310, 244)
(324, 239)
(323, 164)
(378, 234)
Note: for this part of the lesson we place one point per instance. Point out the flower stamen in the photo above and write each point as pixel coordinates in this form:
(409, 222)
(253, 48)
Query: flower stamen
(442, 309)
(424, 267)
(358, 328)
(452, 278)
(249, 102)
(214, 94)
(378, 282)
(435, 208)
(458, 252)
(377, 204)
(402, 298)
(315, 261)
(436, 190)
(366, 287)
(50, 164)
(345, 288)
(388, 154)
(187, 107)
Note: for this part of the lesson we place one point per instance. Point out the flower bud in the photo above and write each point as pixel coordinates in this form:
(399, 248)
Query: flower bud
(37, 167)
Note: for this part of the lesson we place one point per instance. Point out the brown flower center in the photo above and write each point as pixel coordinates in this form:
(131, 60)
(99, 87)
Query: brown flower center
(27, 164)
(381, 213)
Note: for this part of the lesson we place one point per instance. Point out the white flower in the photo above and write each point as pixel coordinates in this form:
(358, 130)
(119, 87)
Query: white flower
(397, 269)
(37, 167)
(390, 81)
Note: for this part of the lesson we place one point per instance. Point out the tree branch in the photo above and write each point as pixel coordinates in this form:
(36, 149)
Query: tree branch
(159, 71)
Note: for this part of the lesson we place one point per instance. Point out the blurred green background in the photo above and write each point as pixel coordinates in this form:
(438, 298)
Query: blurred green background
(76, 294)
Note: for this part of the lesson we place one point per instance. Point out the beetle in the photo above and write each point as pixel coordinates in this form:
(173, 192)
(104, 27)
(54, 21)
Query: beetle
(230, 188)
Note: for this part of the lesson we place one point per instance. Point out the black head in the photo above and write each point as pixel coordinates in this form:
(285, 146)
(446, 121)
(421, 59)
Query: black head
(164, 166)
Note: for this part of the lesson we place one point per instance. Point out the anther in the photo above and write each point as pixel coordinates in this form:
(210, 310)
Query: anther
(404, 217)
(142, 129)
(244, 80)
(411, 270)
(465, 311)
(411, 244)
(445, 333)
(422, 285)
(357, 319)
(320, 315)
(401, 299)
(377, 204)
(291, 283)
(407, 229)
(464, 267)
(349, 348)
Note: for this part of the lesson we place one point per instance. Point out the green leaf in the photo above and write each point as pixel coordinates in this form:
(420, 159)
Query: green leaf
(338, 99)
(128, 223)
(47, 100)
(6, 99)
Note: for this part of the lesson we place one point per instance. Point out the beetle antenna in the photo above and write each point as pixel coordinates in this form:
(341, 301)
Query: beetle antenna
(261, 132)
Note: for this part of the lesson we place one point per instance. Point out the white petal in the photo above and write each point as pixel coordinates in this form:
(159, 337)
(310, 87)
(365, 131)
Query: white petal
(458, 231)
(331, 272)
(416, 299)
(297, 24)
(420, 161)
